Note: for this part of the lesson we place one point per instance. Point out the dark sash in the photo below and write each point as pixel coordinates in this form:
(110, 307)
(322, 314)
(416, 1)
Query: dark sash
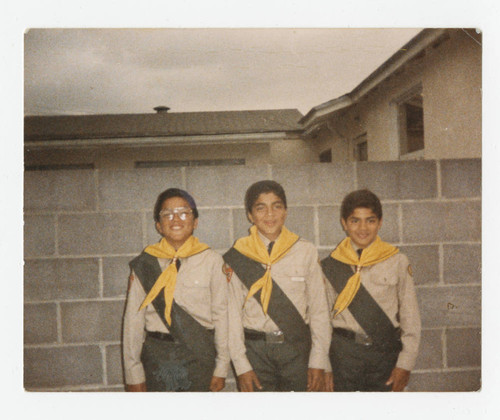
(281, 310)
(185, 329)
(363, 307)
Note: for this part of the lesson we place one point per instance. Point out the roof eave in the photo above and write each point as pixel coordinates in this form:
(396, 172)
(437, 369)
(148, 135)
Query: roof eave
(163, 140)
(415, 46)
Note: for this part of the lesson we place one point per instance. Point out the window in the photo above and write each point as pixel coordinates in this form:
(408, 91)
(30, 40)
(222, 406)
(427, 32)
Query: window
(58, 167)
(362, 151)
(411, 123)
(326, 156)
(361, 148)
(179, 163)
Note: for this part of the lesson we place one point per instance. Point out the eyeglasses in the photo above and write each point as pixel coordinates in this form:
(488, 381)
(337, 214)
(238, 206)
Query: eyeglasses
(182, 212)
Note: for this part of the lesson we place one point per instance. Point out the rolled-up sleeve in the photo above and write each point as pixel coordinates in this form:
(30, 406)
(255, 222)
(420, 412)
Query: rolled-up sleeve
(219, 292)
(409, 317)
(319, 318)
(133, 333)
(237, 349)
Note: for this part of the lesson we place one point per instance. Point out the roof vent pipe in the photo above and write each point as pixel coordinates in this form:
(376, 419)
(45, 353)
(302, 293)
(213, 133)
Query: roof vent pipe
(161, 109)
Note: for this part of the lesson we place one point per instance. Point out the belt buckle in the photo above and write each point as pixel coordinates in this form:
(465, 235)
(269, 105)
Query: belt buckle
(363, 339)
(275, 337)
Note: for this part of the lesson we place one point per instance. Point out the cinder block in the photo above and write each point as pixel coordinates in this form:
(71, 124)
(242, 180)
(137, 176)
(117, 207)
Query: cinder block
(430, 355)
(115, 276)
(40, 323)
(222, 186)
(316, 183)
(152, 235)
(331, 232)
(323, 253)
(424, 260)
(214, 228)
(461, 178)
(59, 190)
(62, 366)
(461, 381)
(441, 222)
(92, 321)
(62, 278)
(230, 386)
(449, 306)
(330, 228)
(389, 231)
(114, 371)
(300, 220)
(463, 347)
(100, 234)
(241, 224)
(135, 189)
(462, 263)
(399, 180)
(39, 236)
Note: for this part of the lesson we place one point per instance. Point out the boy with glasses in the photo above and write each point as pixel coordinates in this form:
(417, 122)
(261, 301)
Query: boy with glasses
(175, 322)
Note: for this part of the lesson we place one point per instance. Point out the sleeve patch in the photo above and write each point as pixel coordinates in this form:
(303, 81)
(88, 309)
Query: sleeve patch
(228, 271)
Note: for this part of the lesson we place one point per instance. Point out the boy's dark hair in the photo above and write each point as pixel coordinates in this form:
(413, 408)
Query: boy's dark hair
(266, 186)
(173, 192)
(360, 198)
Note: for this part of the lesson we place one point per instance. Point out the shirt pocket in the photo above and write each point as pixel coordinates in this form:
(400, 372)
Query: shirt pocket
(195, 290)
(384, 276)
(293, 279)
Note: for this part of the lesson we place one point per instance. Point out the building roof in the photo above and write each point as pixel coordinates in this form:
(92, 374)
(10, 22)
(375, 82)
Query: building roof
(406, 53)
(161, 124)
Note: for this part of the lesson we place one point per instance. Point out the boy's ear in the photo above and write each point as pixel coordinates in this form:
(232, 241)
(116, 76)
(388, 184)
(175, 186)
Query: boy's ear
(249, 217)
(158, 227)
(344, 224)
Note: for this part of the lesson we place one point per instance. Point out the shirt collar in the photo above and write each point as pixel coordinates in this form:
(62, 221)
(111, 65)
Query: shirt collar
(265, 240)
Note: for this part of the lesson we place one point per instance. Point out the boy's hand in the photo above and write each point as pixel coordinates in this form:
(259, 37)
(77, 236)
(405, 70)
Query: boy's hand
(315, 379)
(399, 379)
(328, 382)
(217, 384)
(136, 387)
(247, 380)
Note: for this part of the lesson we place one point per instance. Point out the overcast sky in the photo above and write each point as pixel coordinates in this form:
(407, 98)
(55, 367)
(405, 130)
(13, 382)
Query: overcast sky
(87, 71)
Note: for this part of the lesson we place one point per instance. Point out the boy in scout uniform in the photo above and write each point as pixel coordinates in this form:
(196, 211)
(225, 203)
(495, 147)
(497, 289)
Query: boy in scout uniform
(175, 323)
(279, 328)
(375, 316)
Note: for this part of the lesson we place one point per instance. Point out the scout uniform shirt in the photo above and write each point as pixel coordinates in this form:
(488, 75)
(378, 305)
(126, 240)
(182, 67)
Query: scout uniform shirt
(299, 275)
(390, 283)
(201, 290)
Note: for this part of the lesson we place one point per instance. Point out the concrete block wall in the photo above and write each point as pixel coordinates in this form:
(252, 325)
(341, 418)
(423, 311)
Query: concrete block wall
(82, 227)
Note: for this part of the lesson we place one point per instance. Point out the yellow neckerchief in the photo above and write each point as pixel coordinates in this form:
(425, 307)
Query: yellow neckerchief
(168, 277)
(253, 247)
(376, 252)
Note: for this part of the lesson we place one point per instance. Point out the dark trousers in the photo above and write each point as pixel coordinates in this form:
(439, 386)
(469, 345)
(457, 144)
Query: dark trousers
(170, 366)
(357, 367)
(279, 366)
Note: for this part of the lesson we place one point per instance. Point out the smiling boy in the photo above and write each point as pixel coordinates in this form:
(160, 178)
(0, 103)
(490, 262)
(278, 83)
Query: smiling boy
(175, 322)
(279, 328)
(375, 316)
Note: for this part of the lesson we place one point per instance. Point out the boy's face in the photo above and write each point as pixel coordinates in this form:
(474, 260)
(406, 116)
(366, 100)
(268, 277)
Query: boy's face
(268, 215)
(176, 231)
(362, 226)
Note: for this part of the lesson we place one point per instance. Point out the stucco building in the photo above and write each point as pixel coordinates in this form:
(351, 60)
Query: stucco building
(424, 102)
